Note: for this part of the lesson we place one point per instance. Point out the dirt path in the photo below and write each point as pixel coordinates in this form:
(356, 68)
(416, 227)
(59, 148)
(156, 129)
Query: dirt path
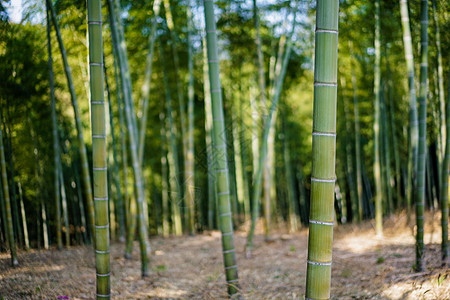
(364, 267)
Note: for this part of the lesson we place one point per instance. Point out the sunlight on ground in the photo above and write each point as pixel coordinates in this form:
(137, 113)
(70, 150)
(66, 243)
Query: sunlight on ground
(438, 288)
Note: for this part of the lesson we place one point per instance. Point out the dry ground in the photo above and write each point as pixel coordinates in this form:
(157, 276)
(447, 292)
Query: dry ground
(364, 267)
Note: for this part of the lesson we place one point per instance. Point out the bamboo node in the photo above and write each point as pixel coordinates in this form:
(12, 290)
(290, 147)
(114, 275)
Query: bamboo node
(321, 222)
(333, 134)
(323, 180)
(316, 263)
(102, 252)
(228, 251)
(327, 31)
(102, 226)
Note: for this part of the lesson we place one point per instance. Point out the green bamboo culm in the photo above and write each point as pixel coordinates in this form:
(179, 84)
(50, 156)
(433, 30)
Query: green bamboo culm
(220, 155)
(420, 190)
(115, 175)
(139, 204)
(444, 184)
(9, 220)
(318, 276)
(99, 156)
(376, 126)
(55, 134)
(413, 128)
(189, 163)
(147, 79)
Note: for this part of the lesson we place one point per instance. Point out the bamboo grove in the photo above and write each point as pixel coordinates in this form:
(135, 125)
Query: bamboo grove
(167, 118)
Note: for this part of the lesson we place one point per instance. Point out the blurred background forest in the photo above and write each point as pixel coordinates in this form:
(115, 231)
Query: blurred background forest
(180, 199)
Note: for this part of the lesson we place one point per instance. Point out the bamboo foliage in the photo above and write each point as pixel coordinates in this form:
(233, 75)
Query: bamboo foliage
(420, 191)
(220, 152)
(323, 179)
(99, 155)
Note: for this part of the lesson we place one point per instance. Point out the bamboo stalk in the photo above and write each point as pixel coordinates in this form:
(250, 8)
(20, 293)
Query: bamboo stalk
(220, 153)
(99, 154)
(182, 108)
(420, 190)
(208, 138)
(12, 243)
(376, 126)
(64, 203)
(413, 126)
(174, 166)
(445, 186)
(440, 74)
(55, 134)
(318, 276)
(189, 159)
(147, 79)
(115, 174)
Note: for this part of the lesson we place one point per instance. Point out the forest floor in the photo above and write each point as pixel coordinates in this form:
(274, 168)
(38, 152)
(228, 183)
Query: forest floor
(364, 267)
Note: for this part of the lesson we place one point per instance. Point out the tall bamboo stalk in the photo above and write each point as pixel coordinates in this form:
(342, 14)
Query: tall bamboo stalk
(440, 75)
(99, 155)
(208, 138)
(181, 105)
(413, 126)
(318, 276)
(376, 126)
(387, 154)
(24, 218)
(115, 174)
(55, 134)
(174, 166)
(445, 184)
(349, 156)
(130, 219)
(132, 134)
(420, 191)
(359, 183)
(393, 134)
(64, 203)
(220, 153)
(38, 175)
(9, 156)
(292, 195)
(164, 184)
(81, 144)
(189, 159)
(147, 78)
(12, 243)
